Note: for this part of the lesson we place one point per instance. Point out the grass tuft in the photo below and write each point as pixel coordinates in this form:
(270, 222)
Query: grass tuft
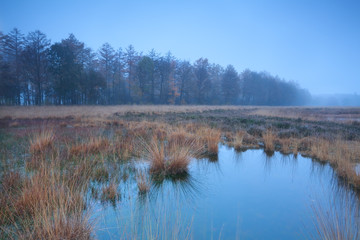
(269, 139)
(42, 141)
(142, 182)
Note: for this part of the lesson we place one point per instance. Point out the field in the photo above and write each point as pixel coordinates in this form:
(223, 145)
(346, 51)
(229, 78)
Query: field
(52, 157)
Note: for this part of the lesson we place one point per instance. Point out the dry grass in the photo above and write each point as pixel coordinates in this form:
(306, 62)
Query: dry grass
(95, 145)
(101, 174)
(48, 203)
(289, 145)
(269, 140)
(142, 182)
(99, 112)
(49, 206)
(210, 138)
(339, 222)
(340, 154)
(109, 192)
(11, 185)
(171, 158)
(237, 141)
(42, 141)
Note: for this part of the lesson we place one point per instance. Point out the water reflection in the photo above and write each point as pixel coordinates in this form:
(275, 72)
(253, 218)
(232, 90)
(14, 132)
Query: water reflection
(269, 194)
(182, 185)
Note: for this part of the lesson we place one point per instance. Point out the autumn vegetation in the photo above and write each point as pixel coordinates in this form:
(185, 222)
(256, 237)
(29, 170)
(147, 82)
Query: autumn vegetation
(49, 165)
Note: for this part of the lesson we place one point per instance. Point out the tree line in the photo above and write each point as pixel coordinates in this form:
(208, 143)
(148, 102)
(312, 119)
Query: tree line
(34, 71)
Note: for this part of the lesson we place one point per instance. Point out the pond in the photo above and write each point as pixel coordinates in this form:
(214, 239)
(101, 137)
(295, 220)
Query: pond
(236, 195)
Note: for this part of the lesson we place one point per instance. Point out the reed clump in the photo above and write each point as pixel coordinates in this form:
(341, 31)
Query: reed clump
(210, 138)
(142, 182)
(109, 193)
(289, 145)
(95, 145)
(42, 141)
(269, 140)
(238, 139)
(169, 158)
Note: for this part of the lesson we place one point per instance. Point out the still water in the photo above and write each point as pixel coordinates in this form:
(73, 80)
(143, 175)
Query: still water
(246, 195)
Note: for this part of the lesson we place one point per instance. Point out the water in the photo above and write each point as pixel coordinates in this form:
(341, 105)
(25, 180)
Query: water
(246, 195)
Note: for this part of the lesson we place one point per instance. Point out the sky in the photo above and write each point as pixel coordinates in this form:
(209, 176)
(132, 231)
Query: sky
(314, 43)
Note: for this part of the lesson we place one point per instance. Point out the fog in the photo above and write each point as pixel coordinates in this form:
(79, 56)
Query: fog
(335, 100)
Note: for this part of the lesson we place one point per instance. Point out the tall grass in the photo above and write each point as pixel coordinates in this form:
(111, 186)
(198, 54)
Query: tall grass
(42, 141)
(94, 145)
(269, 140)
(238, 140)
(169, 158)
(210, 138)
(143, 182)
(338, 220)
(49, 202)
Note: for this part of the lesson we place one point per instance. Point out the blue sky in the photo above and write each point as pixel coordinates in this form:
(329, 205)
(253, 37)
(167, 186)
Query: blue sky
(315, 43)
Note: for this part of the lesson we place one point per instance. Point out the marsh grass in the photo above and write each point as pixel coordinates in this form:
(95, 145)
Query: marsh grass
(210, 138)
(101, 174)
(169, 158)
(269, 140)
(47, 202)
(94, 145)
(110, 193)
(289, 145)
(48, 206)
(143, 182)
(42, 141)
(337, 220)
(238, 139)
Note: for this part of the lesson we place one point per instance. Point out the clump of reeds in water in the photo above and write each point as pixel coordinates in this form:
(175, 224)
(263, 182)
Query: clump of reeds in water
(269, 140)
(237, 141)
(170, 158)
(210, 138)
(110, 193)
(143, 182)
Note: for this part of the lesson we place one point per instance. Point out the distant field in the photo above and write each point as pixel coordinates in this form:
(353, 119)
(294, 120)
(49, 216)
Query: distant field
(338, 114)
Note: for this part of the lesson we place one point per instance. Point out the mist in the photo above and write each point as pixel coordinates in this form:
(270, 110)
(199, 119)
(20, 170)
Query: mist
(335, 100)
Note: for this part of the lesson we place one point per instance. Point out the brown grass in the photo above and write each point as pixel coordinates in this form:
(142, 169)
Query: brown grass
(172, 158)
(109, 192)
(142, 182)
(210, 138)
(99, 112)
(95, 145)
(11, 185)
(49, 207)
(237, 141)
(42, 141)
(289, 145)
(340, 154)
(269, 140)
(337, 222)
